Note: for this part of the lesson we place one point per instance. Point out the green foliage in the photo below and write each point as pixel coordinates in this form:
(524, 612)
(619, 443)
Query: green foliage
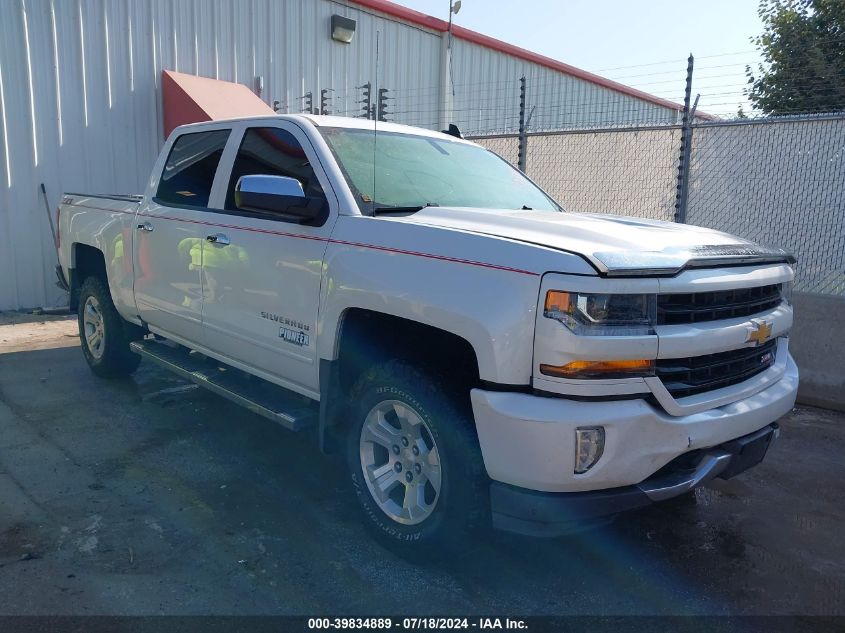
(803, 50)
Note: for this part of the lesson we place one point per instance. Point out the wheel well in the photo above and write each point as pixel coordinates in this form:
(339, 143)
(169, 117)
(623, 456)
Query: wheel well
(368, 337)
(88, 262)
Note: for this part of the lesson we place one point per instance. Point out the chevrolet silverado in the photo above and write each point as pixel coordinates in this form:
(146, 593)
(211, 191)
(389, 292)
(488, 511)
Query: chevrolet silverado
(473, 351)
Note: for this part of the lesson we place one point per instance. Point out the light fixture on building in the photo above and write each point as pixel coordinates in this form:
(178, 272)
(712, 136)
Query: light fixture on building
(343, 29)
(454, 7)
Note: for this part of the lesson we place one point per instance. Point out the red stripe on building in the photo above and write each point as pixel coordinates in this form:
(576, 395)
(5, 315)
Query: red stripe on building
(436, 24)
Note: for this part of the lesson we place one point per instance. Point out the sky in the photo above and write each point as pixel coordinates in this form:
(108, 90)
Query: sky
(641, 43)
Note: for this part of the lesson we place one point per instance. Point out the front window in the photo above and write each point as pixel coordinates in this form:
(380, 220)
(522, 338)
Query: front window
(275, 152)
(407, 171)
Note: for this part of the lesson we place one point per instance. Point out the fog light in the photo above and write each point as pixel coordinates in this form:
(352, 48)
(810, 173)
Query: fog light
(589, 446)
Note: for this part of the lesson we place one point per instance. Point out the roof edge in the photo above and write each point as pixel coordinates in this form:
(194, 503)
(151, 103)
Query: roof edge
(436, 24)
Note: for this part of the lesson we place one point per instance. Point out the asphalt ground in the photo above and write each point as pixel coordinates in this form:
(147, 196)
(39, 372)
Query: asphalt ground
(152, 496)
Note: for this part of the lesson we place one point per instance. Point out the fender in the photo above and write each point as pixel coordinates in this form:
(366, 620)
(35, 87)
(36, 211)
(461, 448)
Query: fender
(477, 287)
(104, 224)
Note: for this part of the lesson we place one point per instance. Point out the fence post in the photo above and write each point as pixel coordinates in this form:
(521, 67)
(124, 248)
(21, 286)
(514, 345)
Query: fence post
(686, 147)
(522, 156)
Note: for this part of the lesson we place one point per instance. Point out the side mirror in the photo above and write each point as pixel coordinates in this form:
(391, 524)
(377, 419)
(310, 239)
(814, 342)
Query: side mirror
(277, 194)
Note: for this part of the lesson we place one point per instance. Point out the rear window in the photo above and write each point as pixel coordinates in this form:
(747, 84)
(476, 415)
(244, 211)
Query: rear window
(189, 171)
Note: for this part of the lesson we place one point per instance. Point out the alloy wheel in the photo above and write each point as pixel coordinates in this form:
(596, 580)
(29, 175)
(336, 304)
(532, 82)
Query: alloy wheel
(401, 462)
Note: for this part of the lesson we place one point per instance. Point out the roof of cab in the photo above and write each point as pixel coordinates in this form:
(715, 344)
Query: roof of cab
(318, 120)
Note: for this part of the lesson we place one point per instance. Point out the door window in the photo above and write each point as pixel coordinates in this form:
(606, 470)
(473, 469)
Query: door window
(275, 152)
(189, 171)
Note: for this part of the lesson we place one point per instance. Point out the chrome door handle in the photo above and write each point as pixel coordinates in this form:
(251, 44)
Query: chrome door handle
(146, 226)
(218, 238)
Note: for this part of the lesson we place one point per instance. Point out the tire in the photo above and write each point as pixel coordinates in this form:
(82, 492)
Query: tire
(436, 518)
(103, 333)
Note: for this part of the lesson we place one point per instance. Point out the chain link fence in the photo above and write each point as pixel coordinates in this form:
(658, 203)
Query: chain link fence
(777, 181)
(623, 172)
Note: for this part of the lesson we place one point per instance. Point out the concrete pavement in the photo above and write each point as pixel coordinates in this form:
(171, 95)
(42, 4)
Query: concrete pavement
(150, 496)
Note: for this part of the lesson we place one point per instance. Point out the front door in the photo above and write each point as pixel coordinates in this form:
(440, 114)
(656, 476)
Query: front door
(169, 236)
(262, 272)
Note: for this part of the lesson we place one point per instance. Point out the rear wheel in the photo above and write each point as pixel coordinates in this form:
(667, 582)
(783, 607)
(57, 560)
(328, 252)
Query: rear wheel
(415, 463)
(104, 334)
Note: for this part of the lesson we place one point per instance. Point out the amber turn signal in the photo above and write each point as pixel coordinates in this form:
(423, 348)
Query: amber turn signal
(556, 302)
(600, 369)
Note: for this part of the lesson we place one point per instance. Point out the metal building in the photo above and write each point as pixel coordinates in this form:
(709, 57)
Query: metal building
(81, 107)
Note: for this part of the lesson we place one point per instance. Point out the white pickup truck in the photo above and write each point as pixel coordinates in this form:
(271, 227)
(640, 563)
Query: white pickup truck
(428, 311)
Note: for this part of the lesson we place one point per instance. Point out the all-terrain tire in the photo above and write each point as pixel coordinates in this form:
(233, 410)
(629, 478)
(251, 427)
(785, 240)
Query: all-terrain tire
(104, 334)
(461, 505)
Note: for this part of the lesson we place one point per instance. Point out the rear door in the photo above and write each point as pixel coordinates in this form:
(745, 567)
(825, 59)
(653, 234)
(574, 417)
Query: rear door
(170, 229)
(262, 279)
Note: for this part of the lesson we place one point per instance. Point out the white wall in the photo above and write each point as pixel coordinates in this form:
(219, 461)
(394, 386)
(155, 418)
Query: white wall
(80, 105)
(557, 100)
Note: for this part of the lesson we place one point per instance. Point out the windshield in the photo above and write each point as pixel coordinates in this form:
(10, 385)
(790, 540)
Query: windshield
(413, 171)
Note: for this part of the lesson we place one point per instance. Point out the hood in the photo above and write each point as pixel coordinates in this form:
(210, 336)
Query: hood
(615, 245)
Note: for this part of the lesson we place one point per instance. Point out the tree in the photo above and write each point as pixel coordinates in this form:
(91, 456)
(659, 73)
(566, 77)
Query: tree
(803, 50)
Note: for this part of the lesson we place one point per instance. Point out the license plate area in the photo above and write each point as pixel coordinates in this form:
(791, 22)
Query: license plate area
(748, 451)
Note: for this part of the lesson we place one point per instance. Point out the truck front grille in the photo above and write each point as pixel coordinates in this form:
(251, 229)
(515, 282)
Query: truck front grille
(697, 307)
(697, 374)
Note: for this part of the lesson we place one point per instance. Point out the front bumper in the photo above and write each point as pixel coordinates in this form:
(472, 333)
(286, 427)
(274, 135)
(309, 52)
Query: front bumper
(535, 513)
(529, 441)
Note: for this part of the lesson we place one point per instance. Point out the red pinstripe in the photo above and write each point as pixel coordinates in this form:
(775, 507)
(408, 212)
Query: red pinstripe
(388, 249)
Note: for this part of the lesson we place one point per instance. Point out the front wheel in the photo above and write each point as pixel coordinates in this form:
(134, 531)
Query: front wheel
(104, 335)
(415, 462)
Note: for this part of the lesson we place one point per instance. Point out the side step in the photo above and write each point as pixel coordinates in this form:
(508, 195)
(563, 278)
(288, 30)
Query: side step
(291, 410)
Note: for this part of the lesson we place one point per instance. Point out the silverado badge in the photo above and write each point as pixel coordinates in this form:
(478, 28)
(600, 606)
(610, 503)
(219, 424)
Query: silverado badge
(758, 332)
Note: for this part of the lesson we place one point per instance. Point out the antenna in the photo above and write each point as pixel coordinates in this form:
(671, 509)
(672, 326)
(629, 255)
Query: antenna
(375, 126)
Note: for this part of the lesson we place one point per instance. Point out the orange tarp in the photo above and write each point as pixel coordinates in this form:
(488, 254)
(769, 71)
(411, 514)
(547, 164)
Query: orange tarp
(191, 99)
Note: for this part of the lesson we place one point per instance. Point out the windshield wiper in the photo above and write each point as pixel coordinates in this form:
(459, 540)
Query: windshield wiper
(386, 209)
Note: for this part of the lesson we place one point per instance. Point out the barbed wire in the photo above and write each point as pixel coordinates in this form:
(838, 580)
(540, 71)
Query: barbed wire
(679, 60)
(559, 101)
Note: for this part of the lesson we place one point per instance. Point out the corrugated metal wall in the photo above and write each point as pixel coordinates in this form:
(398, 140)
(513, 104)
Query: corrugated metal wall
(80, 105)
(557, 100)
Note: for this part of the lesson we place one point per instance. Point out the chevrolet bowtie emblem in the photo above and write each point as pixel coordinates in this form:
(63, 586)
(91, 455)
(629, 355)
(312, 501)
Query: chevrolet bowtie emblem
(758, 332)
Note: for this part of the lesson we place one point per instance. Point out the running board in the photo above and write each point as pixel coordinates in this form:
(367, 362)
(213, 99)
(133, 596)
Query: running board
(292, 410)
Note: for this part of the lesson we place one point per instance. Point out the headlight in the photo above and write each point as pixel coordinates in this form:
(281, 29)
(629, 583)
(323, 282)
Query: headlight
(602, 314)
